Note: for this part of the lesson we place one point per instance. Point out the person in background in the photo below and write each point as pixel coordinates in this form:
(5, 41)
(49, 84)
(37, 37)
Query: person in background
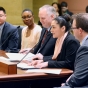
(86, 9)
(79, 78)
(65, 47)
(57, 8)
(31, 33)
(64, 8)
(8, 34)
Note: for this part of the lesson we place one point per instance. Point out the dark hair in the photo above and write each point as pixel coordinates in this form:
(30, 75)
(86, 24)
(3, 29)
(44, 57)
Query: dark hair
(81, 21)
(64, 21)
(86, 9)
(27, 10)
(64, 4)
(59, 7)
(2, 9)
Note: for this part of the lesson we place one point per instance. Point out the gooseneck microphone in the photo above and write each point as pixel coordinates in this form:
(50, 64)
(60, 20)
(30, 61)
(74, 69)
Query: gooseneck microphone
(27, 53)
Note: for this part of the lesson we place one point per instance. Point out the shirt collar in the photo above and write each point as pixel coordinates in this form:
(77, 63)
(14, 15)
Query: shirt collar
(49, 28)
(1, 26)
(83, 41)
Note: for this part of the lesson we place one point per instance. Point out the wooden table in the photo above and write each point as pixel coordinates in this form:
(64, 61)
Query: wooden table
(21, 75)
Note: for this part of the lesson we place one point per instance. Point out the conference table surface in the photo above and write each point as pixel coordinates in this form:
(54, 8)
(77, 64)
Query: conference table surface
(21, 75)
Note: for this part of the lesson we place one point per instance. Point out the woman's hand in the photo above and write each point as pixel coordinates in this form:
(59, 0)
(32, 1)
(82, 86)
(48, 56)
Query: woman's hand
(35, 62)
(42, 65)
(25, 51)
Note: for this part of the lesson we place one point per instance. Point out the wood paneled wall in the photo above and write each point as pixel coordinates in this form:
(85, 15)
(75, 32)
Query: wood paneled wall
(76, 6)
(14, 8)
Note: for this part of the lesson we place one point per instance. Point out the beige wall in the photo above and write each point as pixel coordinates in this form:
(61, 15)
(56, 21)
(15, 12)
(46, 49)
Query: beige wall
(76, 6)
(27, 4)
(15, 7)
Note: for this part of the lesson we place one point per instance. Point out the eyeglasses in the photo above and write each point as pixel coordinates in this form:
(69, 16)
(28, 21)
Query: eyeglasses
(2, 15)
(28, 17)
(73, 27)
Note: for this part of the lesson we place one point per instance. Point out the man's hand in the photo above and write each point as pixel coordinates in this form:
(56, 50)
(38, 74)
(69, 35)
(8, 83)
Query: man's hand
(62, 84)
(38, 56)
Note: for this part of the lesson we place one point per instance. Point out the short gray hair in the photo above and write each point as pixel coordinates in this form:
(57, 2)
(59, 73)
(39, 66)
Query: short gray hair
(50, 9)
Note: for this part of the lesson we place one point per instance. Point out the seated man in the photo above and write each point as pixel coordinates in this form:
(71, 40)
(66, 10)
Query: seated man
(8, 34)
(79, 78)
(46, 43)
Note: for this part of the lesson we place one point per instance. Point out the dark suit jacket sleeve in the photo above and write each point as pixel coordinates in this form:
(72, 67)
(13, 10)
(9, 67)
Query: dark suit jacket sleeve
(47, 58)
(69, 57)
(80, 75)
(13, 41)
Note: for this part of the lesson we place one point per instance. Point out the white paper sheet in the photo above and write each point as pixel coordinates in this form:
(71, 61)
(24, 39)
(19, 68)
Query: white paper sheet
(3, 58)
(24, 66)
(51, 71)
(19, 56)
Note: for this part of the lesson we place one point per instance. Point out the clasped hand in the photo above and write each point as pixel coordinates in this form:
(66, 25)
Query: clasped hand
(37, 61)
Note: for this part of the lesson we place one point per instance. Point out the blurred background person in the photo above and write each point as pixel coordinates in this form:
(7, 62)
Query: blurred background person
(31, 33)
(86, 9)
(64, 8)
(57, 8)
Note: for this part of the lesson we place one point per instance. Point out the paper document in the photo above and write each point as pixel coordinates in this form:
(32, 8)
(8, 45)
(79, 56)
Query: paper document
(19, 56)
(3, 58)
(51, 71)
(24, 66)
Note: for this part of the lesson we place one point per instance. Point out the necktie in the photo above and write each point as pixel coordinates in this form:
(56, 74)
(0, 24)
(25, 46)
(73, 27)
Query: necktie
(44, 37)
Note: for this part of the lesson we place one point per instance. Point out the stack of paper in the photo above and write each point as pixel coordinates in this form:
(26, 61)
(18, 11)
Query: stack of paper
(19, 56)
(51, 71)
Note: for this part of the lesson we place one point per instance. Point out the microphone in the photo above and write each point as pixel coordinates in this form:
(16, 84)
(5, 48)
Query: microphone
(27, 53)
(25, 66)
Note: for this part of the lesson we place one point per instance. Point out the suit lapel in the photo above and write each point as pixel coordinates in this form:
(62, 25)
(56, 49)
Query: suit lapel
(41, 37)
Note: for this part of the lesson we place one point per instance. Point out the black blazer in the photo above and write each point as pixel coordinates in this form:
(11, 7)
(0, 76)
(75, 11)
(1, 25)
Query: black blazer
(9, 38)
(80, 76)
(48, 46)
(67, 55)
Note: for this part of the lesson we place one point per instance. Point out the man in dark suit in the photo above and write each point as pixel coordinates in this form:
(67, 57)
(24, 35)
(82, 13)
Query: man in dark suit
(8, 34)
(79, 78)
(46, 46)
